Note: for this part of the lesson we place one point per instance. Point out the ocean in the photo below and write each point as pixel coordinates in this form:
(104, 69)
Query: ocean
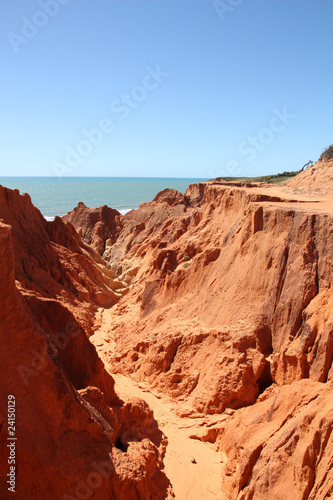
(58, 196)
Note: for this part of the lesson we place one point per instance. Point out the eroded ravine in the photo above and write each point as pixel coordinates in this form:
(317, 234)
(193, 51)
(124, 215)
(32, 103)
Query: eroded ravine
(190, 481)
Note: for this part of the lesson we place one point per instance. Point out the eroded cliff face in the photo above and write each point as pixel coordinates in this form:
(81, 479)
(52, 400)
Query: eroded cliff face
(51, 260)
(229, 312)
(75, 437)
(230, 292)
(99, 227)
(282, 446)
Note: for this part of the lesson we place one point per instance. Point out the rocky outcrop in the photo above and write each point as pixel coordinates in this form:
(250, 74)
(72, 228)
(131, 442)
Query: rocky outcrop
(99, 227)
(52, 262)
(282, 446)
(231, 292)
(75, 437)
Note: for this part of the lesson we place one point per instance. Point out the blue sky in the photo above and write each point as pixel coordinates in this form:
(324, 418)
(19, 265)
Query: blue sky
(164, 88)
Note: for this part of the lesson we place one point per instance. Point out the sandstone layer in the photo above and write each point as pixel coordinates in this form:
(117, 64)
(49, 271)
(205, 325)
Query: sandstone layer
(230, 292)
(99, 227)
(75, 437)
(281, 447)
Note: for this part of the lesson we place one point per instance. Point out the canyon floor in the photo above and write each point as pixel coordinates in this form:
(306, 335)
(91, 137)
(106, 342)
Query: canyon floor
(194, 481)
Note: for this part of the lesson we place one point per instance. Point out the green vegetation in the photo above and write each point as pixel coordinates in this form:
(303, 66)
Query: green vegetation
(327, 154)
(275, 178)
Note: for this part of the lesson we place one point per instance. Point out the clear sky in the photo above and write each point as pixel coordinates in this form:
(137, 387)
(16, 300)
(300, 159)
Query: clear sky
(164, 88)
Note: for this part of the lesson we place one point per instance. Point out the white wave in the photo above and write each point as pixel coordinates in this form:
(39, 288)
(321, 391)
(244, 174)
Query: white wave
(124, 211)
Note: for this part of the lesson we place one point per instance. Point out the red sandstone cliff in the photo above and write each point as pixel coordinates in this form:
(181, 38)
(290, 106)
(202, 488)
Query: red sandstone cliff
(227, 281)
(72, 430)
(230, 308)
(99, 227)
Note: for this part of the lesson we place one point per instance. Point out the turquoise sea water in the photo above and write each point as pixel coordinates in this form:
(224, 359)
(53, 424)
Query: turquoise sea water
(58, 196)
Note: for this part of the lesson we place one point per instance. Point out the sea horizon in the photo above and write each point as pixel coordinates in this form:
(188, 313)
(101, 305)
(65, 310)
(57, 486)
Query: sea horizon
(56, 196)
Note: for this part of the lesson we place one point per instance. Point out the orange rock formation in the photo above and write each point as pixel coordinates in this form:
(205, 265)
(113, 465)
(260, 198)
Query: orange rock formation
(230, 307)
(99, 227)
(219, 300)
(75, 437)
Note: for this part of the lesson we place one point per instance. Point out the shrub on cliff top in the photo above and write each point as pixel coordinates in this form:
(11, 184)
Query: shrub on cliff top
(327, 154)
